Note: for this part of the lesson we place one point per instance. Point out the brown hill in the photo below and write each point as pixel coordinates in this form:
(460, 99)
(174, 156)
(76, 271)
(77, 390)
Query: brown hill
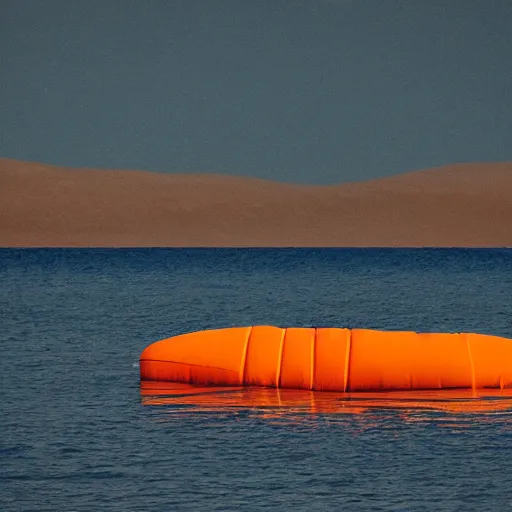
(465, 205)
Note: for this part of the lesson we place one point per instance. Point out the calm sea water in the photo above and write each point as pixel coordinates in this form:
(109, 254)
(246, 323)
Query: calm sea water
(77, 435)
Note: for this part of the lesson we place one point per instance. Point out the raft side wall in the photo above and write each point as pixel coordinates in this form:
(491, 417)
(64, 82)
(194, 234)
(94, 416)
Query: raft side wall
(406, 360)
(331, 359)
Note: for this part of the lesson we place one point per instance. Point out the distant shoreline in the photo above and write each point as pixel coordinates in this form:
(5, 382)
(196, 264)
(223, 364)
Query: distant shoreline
(467, 206)
(256, 248)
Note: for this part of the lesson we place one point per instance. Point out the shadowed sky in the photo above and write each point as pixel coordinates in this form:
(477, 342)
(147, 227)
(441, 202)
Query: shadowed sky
(311, 91)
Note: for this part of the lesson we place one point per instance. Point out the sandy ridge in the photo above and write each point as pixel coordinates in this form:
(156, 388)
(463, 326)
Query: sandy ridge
(464, 205)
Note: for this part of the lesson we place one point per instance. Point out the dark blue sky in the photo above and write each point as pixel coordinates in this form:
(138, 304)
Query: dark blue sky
(316, 91)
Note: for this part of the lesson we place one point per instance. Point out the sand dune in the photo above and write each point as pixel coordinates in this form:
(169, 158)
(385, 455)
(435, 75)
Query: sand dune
(466, 205)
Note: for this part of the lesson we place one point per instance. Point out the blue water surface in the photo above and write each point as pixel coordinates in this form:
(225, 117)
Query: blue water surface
(76, 436)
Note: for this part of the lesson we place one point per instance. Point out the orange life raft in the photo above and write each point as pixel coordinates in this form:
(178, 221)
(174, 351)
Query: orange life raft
(330, 359)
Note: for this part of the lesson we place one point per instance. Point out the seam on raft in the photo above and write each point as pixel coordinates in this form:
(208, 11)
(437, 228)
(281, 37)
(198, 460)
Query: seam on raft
(312, 363)
(187, 364)
(280, 358)
(471, 362)
(243, 366)
(348, 353)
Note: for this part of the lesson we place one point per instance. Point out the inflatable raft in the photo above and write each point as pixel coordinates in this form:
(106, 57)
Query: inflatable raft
(331, 359)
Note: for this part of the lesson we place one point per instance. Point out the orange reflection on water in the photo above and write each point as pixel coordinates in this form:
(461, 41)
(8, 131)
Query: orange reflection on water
(276, 403)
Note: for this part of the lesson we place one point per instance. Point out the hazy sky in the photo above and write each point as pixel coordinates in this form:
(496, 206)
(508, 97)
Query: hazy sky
(315, 91)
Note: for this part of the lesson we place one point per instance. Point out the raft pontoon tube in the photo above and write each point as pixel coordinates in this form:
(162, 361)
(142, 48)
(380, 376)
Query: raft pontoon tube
(330, 359)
